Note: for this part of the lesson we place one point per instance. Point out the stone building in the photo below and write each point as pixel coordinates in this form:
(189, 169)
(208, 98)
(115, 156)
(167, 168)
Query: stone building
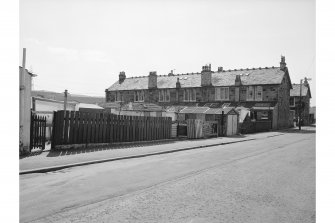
(267, 89)
(305, 101)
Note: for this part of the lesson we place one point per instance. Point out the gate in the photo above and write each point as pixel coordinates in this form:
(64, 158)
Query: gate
(37, 131)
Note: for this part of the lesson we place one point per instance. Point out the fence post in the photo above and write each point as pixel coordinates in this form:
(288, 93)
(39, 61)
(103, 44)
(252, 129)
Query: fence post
(31, 131)
(44, 131)
(54, 130)
(66, 127)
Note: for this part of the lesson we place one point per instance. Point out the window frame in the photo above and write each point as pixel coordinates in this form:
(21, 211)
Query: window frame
(253, 93)
(118, 96)
(190, 94)
(163, 95)
(139, 95)
(222, 93)
(293, 102)
(257, 90)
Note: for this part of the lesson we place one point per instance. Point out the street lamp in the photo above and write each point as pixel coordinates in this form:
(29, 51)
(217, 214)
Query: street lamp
(300, 103)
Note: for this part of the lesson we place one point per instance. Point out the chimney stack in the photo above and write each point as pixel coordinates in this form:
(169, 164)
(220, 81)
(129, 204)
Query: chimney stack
(122, 77)
(171, 73)
(220, 69)
(152, 80)
(306, 82)
(282, 63)
(206, 75)
(238, 81)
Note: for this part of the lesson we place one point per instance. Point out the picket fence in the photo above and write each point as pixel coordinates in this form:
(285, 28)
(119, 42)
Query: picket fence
(74, 127)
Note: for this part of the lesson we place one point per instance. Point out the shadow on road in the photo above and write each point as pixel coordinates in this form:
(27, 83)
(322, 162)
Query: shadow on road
(304, 130)
(33, 153)
(74, 151)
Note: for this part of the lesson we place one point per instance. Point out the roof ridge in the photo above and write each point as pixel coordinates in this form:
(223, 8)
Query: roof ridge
(246, 69)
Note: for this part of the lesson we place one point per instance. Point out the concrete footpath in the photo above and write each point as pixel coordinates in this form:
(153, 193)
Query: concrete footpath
(55, 160)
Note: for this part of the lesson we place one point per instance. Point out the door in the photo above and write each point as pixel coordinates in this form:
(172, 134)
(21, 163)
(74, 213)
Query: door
(229, 125)
(234, 120)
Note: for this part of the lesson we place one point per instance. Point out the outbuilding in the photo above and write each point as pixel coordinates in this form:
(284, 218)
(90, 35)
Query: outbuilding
(215, 121)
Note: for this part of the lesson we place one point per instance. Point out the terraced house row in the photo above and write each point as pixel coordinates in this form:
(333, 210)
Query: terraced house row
(265, 91)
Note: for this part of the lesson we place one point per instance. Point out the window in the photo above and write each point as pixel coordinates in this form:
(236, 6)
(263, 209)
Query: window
(222, 93)
(139, 96)
(292, 101)
(262, 115)
(164, 95)
(189, 95)
(118, 96)
(259, 93)
(250, 93)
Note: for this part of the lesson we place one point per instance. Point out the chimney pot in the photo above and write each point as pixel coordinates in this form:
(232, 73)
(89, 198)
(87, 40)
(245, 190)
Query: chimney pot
(282, 63)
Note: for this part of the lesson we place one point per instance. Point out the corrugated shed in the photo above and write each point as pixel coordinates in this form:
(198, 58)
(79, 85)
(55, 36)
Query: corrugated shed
(194, 110)
(248, 77)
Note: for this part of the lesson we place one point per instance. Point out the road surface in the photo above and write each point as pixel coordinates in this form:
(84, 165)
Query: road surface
(265, 180)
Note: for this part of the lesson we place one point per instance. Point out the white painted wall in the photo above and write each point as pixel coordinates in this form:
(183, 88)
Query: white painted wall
(25, 105)
(41, 105)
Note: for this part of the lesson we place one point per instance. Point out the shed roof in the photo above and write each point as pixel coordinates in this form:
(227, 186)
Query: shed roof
(194, 110)
(85, 105)
(207, 110)
(259, 76)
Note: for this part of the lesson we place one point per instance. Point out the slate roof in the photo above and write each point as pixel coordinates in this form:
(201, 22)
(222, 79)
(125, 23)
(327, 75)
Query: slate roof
(259, 76)
(206, 110)
(134, 106)
(295, 91)
(245, 104)
(141, 106)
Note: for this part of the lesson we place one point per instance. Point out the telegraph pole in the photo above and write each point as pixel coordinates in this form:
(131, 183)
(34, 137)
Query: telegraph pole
(300, 104)
(65, 100)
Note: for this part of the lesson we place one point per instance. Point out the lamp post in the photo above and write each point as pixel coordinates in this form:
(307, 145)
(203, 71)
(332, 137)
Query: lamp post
(300, 103)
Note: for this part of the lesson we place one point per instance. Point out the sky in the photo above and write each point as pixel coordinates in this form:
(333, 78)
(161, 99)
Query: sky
(82, 45)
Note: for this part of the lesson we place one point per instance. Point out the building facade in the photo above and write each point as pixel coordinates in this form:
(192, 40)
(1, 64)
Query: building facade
(305, 97)
(262, 87)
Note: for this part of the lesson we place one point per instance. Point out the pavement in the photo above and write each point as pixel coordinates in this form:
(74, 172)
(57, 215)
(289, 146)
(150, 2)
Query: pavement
(46, 161)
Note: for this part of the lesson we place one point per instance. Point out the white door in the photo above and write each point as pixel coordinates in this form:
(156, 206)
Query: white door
(229, 125)
(234, 120)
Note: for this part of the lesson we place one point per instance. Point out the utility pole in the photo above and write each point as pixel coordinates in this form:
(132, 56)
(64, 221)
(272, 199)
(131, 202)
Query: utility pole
(24, 144)
(300, 105)
(65, 100)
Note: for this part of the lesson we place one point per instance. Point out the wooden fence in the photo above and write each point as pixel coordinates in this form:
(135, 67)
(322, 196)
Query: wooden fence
(37, 131)
(73, 127)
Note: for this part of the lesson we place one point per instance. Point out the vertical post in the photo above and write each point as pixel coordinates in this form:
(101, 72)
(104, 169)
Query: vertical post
(65, 99)
(25, 103)
(300, 105)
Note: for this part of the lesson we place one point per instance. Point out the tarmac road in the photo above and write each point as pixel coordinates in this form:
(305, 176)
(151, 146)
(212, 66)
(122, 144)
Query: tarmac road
(266, 180)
